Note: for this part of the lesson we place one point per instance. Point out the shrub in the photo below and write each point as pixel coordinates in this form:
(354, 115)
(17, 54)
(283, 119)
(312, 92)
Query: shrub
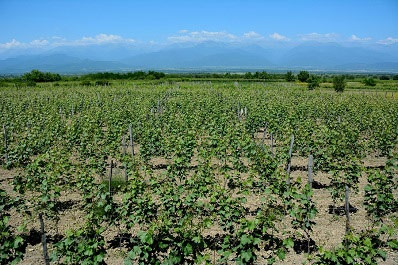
(102, 83)
(313, 82)
(369, 81)
(38, 76)
(290, 76)
(303, 76)
(85, 83)
(339, 83)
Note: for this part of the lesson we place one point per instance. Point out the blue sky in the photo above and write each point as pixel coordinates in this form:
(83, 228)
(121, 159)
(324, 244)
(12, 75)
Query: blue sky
(45, 23)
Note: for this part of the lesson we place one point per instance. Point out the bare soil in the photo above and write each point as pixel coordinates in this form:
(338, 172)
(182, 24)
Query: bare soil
(328, 231)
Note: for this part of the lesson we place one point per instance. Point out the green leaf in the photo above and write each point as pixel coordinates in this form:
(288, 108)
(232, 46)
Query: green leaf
(245, 239)
(288, 242)
(188, 249)
(246, 255)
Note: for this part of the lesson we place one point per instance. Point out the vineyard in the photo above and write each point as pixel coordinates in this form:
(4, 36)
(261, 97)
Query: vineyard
(200, 172)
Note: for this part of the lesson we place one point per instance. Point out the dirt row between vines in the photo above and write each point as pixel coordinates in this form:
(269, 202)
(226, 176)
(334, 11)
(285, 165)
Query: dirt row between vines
(328, 231)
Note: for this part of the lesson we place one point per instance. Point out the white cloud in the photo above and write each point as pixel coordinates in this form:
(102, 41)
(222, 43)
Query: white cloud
(356, 38)
(388, 41)
(102, 39)
(39, 43)
(279, 37)
(252, 35)
(318, 37)
(223, 36)
(58, 41)
(12, 44)
(199, 36)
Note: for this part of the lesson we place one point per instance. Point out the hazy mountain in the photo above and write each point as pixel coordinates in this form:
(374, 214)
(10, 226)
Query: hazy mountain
(203, 55)
(104, 52)
(206, 55)
(59, 63)
(332, 56)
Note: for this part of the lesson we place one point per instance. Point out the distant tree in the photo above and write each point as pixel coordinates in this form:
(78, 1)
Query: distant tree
(395, 77)
(102, 83)
(303, 76)
(290, 76)
(369, 81)
(264, 75)
(313, 82)
(85, 83)
(339, 83)
(248, 75)
(38, 76)
(384, 77)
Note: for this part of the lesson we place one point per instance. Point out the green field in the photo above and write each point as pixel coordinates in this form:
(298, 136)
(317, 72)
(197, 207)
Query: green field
(206, 181)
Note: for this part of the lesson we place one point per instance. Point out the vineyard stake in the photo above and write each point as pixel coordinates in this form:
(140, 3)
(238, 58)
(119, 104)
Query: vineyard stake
(131, 140)
(347, 210)
(5, 143)
(43, 240)
(310, 168)
(124, 153)
(110, 177)
(272, 144)
(124, 144)
(289, 161)
(265, 131)
(159, 108)
(125, 172)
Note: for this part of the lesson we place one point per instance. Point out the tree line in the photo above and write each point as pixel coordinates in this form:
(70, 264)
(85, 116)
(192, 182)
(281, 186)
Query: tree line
(103, 78)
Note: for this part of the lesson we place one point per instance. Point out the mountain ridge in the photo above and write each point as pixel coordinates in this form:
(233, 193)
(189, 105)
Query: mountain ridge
(204, 55)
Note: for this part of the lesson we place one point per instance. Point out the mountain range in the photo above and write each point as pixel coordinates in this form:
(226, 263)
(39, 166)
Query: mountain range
(205, 56)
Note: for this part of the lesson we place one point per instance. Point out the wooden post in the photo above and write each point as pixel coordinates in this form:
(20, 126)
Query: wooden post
(265, 131)
(310, 168)
(126, 177)
(347, 210)
(272, 144)
(124, 144)
(131, 140)
(124, 153)
(44, 240)
(5, 143)
(289, 162)
(110, 177)
(159, 107)
(28, 127)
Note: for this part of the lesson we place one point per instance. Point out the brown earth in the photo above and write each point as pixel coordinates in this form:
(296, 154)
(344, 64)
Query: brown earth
(328, 231)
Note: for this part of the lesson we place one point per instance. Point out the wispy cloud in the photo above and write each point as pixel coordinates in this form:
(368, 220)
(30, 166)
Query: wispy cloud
(11, 44)
(252, 35)
(58, 41)
(185, 35)
(39, 43)
(279, 37)
(103, 39)
(318, 37)
(388, 41)
(356, 38)
(200, 36)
